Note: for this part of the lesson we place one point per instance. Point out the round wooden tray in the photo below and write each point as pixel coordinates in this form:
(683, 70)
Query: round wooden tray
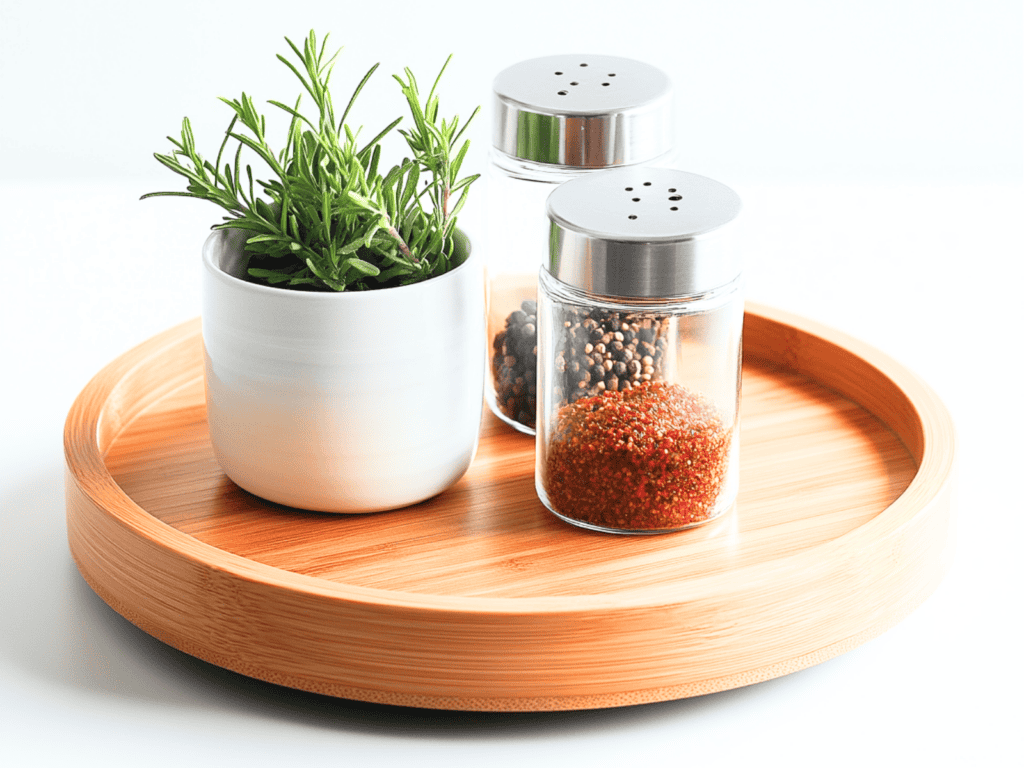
(480, 599)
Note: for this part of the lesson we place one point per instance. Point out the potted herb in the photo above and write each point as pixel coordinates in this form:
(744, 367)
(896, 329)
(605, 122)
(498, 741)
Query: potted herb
(343, 319)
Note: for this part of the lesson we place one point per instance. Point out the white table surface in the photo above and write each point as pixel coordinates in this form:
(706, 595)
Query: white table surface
(930, 275)
(877, 147)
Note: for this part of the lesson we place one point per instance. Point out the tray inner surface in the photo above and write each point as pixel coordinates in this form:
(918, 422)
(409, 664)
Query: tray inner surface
(814, 466)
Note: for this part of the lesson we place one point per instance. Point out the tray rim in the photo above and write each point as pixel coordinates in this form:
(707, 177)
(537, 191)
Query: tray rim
(935, 456)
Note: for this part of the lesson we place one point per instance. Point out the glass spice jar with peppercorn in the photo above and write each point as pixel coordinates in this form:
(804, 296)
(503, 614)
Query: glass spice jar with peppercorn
(556, 118)
(639, 347)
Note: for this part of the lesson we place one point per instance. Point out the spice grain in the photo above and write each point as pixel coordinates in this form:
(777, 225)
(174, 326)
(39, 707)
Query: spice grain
(653, 457)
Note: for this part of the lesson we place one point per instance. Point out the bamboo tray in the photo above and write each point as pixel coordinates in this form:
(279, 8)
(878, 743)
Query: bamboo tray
(482, 600)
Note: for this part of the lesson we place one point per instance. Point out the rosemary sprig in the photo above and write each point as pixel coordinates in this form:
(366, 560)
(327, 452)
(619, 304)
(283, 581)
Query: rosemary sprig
(328, 218)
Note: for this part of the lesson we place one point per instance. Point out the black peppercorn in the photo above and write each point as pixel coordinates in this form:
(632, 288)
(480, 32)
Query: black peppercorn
(514, 365)
(598, 351)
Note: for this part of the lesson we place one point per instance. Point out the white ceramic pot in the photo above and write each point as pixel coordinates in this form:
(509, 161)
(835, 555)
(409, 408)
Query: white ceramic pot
(342, 402)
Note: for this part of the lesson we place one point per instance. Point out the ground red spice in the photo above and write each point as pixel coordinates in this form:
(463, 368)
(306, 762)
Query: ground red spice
(653, 457)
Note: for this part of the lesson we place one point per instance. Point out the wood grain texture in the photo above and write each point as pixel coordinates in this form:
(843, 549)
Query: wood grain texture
(479, 598)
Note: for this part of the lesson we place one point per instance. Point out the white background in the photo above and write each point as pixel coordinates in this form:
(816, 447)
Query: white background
(878, 149)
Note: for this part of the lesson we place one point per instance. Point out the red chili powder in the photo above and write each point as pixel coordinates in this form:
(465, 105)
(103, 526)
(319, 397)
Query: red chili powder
(653, 457)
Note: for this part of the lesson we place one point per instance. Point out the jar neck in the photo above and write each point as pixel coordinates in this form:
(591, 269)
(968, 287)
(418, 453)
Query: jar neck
(711, 299)
(529, 170)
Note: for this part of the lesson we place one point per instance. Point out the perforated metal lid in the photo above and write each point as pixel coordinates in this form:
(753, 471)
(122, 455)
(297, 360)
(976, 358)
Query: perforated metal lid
(643, 232)
(583, 111)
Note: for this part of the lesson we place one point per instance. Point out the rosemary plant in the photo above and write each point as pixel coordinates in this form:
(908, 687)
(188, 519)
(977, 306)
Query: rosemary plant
(330, 219)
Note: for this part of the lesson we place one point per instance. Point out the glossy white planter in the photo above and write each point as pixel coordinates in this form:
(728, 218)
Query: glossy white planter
(342, 402)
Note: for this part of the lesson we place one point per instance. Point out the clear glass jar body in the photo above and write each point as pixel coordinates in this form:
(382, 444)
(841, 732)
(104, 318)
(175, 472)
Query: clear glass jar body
(517, 244)
(638, 417)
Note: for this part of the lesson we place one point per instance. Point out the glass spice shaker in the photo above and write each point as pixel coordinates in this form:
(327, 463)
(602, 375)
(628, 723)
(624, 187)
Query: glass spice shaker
(640, 326)
(555, 118)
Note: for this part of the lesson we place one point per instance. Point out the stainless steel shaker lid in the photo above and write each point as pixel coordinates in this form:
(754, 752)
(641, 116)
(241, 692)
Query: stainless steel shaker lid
(583, 111)
(643, 232)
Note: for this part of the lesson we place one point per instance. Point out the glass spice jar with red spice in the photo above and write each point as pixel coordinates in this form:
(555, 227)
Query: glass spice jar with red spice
(639, 328)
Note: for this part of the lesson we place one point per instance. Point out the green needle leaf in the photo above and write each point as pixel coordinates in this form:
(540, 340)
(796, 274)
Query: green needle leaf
(328, 218)
(363, 267)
